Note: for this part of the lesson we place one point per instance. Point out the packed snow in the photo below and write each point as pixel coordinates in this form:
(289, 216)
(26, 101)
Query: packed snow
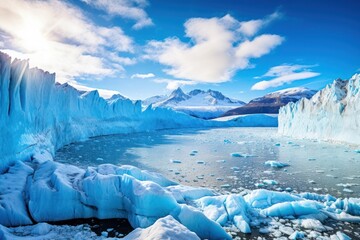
(331, 114)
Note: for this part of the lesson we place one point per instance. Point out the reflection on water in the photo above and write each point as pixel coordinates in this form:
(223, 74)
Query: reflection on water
(227, 159)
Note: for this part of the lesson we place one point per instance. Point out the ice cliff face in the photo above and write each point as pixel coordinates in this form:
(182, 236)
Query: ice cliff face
(35, 111)
(331, 114)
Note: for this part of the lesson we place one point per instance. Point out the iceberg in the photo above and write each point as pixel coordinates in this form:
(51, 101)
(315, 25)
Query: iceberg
(331, 114)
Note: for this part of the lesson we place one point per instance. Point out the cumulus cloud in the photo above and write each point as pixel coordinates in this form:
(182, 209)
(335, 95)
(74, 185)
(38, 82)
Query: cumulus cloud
(284, 74)
(250, 28)
(129, 9)
(145, 75)
(216, 50)
(58, 37)
(172, 84)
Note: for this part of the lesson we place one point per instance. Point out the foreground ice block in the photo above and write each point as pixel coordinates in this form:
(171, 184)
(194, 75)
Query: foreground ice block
(12, 200)
(163, 228)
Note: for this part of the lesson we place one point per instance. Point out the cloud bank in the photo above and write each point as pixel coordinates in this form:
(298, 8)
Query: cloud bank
(284, 74)
(218, 48)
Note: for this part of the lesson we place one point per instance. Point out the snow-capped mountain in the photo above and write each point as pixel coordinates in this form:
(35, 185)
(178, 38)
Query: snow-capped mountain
(331, 114)
(271, 103)
(204, 104)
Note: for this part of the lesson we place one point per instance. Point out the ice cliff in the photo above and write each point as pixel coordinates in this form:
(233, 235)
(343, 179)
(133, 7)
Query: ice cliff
(331, 114)
(38, 113)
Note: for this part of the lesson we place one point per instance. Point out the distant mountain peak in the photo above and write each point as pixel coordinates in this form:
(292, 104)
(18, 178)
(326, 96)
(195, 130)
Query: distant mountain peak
(271, 102)
(200, 103)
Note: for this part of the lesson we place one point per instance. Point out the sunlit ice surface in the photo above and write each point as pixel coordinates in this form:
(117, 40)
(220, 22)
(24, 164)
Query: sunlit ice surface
(228, 159)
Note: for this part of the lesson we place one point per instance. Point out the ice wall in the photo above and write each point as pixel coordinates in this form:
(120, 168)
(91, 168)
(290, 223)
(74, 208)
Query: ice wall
(331, 114)
(37, 113)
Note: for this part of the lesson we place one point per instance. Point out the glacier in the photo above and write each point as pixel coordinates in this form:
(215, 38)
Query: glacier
(331, 114)
(36, 113)
(38, 116)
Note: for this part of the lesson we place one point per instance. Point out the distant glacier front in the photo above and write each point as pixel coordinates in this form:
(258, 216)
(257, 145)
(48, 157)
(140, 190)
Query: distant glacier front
(70, 154)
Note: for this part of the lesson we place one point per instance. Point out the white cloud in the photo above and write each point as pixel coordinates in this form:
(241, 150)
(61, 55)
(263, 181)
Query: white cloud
(58, 37)
(146, 75)
(129, 9)
(285, 74)
(174, 84)
(216, 50)
(250, 28)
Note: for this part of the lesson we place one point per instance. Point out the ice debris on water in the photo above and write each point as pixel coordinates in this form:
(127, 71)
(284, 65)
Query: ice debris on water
(175, 161)
(276, 164)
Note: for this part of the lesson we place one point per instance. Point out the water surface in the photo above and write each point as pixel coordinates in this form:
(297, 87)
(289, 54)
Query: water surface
(228, 159)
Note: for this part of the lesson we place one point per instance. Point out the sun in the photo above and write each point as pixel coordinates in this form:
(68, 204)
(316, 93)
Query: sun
(32, 36)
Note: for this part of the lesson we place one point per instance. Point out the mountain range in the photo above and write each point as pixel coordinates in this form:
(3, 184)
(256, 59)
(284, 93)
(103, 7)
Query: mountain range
(203, 104)
(271, 103)
(212, 104)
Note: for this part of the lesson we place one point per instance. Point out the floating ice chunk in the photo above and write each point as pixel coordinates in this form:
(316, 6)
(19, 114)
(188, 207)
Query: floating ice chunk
(175, 161)
(183, 193)
(276, 164)
(342, 236)
(343, 216)
(237, 209)
(286, 230)
(146, 198)
(227, 141)
(347, 185)
(41, 229)
(297, 235)
(313, 224)
(193, 152)
(208, 229)
(270, 182)
(236, 154)
(357, 150)
(221, 161)
(317, 197)
(264, 198)
(99, 159)
(213, 207)
(298, 208)
(225, 186)
(349, 205)
(241, 155)
(259, 185)
(348, 190)
(163, 228)
(235, 168)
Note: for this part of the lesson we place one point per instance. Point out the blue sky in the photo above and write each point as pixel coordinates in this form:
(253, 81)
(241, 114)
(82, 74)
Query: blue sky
(143, 48)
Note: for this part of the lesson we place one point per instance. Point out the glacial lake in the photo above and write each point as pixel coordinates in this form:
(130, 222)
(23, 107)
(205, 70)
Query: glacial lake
(227, 159)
